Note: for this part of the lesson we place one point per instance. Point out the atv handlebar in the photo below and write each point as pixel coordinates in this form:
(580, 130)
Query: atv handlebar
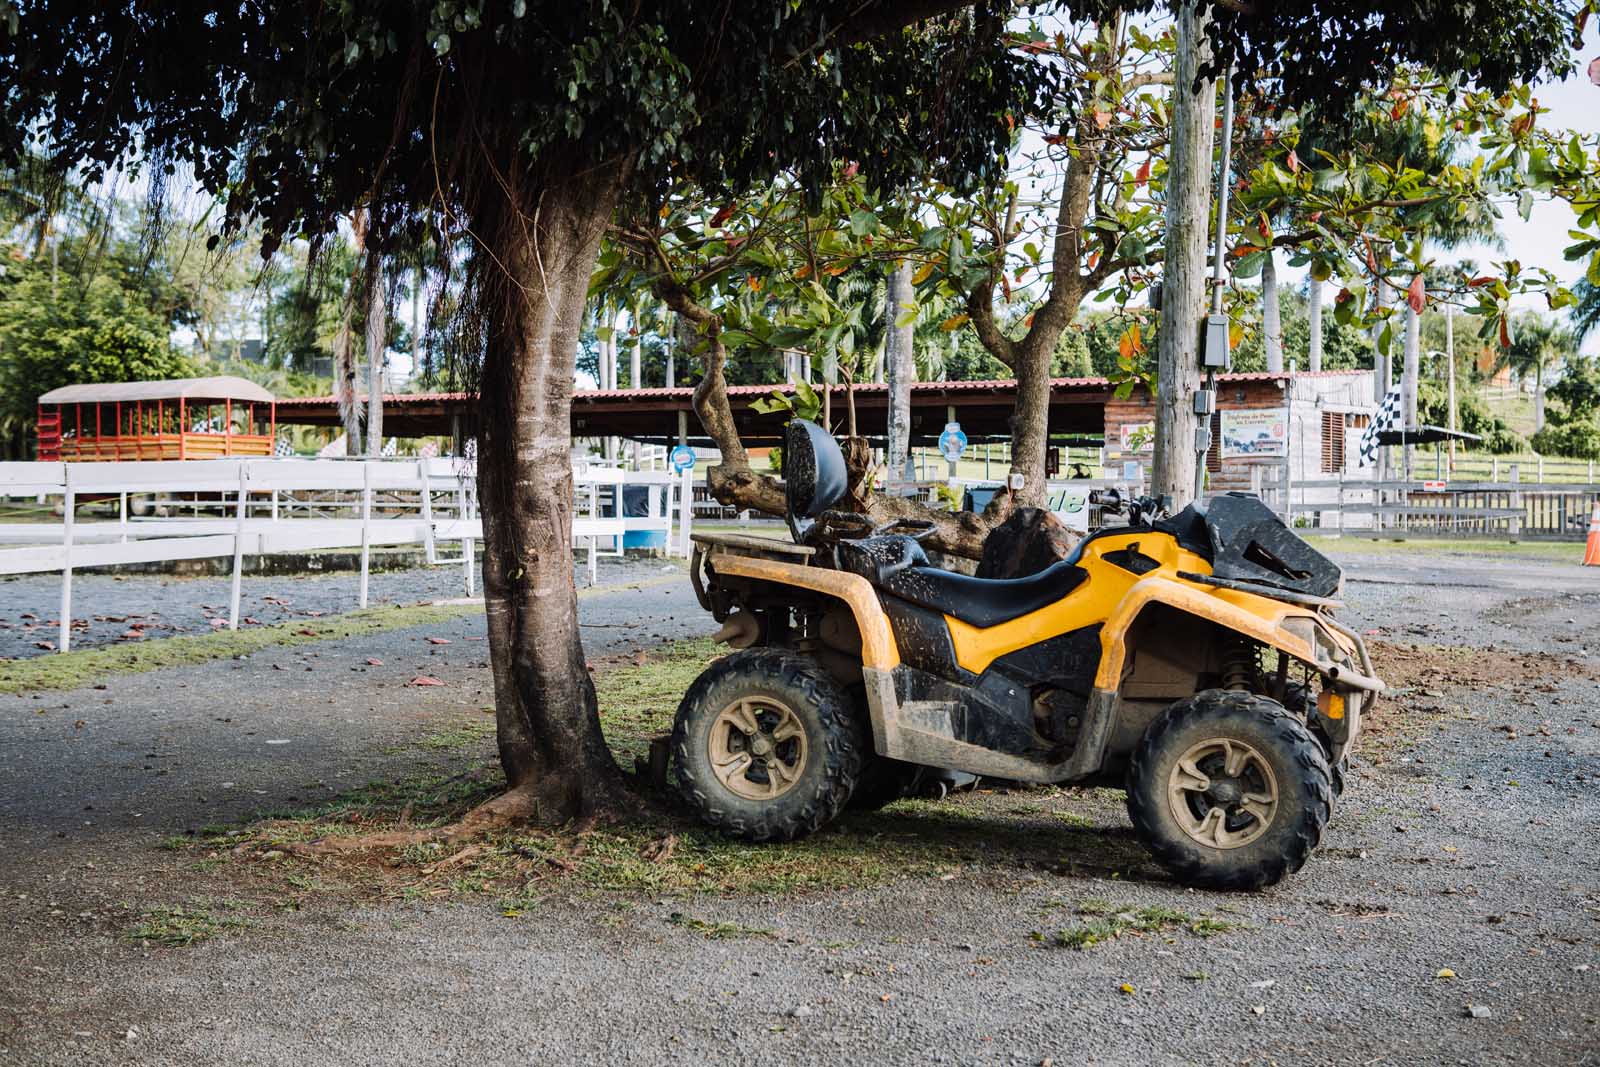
(1137, 509)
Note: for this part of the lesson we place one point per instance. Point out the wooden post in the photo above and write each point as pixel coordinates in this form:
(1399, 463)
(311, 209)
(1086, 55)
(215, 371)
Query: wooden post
(238, 550)
(427, 512)
(69, 503)
(183, 428)
(466, 542)
(227, 427)
(1516, 503)
(366, 525)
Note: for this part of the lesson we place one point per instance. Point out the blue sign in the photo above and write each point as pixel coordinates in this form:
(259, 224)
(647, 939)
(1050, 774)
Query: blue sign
(953, 441)
(683, 458)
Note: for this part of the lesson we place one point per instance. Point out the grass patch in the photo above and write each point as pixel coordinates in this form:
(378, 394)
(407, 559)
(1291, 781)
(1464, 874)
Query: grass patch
(1365, 544)
(639, 697)
(74, 670)
(1102, 921)
(718, 931)
(467, 733)
(186, 924)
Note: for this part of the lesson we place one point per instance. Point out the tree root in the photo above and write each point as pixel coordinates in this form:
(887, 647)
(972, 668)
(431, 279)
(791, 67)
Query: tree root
(522, 808)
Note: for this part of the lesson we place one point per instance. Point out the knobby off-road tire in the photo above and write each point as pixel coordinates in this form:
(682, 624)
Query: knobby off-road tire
(1204, 821)
(1301, 697)
(819, 752)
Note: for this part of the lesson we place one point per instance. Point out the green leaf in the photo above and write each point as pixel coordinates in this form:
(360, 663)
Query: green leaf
(863, 223)
(788, 337)
(1525, 204)
(1249, 266)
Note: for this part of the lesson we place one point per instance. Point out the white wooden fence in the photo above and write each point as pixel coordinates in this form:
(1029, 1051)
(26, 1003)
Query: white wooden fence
(267, 506)
(1513, 510)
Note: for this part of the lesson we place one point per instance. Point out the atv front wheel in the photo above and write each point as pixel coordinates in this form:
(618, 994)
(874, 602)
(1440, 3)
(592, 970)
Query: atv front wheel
(1229, 790)
(767, 745)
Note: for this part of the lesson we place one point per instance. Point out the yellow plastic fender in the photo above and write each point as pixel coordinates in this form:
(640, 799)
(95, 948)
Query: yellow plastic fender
(878, 648)
(1189, 598)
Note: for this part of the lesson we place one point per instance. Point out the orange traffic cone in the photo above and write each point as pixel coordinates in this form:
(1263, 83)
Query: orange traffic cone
(1591, 551)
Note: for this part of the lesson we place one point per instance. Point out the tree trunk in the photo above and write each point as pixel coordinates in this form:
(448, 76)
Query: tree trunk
(344, 379)
(1411, 368)
(901, 368)
(1030, 421)
(1383, 378)
(555, 758)
(1183, 300)
(1314, 321)
(669, 337)
(416, 321)
(636, 356)
(1271, 327)
(1538, 396)
(376, 335)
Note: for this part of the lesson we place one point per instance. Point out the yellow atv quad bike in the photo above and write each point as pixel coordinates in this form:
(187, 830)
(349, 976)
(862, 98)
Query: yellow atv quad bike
(1192, 660)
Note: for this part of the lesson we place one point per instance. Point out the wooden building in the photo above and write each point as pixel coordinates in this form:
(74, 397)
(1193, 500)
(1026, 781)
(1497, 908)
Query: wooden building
(180, 418)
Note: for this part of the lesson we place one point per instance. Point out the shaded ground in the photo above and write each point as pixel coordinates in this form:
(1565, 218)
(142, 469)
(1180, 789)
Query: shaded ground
(928, 933)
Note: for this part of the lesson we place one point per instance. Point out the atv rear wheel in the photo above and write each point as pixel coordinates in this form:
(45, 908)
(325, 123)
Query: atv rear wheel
(1229, 790)
(767, 745)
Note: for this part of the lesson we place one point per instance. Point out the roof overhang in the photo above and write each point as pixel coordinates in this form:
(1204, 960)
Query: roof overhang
(219, 387)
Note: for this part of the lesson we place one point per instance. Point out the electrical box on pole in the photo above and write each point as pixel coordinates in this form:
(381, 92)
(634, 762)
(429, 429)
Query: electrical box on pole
(1216, 354)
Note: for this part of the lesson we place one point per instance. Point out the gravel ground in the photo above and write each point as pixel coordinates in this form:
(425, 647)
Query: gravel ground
(1464, 846)
(105, 606)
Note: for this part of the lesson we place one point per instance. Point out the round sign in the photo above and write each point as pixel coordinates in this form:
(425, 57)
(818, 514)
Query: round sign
(682, 458)
(953, 441)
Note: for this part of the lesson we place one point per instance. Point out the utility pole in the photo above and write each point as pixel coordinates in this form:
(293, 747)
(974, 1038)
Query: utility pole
(1206, 404)
(901, 368)
(1314, 321)
(1450, 364)
(1194, 107)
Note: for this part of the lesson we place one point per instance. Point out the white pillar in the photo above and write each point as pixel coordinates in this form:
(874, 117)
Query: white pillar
(64, 641)
(238, 549)
(366, 525)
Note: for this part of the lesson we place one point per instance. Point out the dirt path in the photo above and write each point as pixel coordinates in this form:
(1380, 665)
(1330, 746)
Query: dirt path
(1459, 870)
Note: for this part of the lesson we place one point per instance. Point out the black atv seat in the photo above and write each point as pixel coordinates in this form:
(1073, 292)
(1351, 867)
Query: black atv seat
(897, 565)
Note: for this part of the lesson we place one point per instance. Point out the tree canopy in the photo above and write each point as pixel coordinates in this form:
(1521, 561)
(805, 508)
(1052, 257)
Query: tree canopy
(299, 112)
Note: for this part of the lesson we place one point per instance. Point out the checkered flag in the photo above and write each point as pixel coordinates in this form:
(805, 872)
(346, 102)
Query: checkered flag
(282, 448)
(391, 447)
(1388, 418)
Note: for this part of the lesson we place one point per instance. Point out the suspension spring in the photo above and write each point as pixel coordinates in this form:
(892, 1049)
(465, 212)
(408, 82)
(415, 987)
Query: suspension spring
(1239, 665)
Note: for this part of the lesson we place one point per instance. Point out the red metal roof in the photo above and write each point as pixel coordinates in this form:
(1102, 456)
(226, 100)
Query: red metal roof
(684, 391)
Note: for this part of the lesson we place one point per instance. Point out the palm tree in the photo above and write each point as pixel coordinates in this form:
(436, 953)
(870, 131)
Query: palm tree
(1585, 314)
(1538, 346)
